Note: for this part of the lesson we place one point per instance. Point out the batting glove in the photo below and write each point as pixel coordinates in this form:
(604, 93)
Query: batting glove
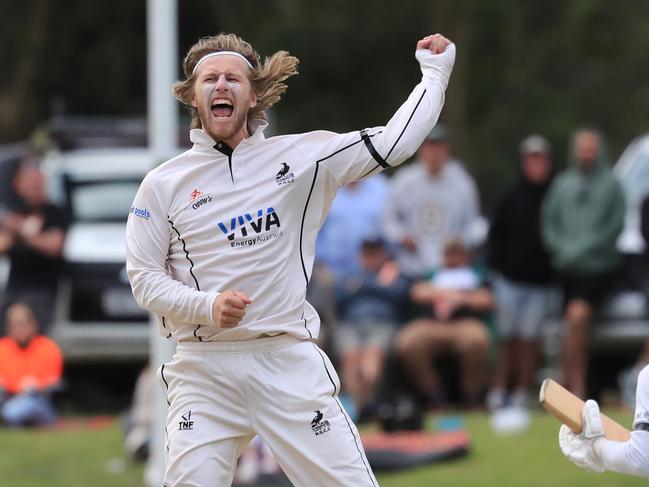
(579, 447)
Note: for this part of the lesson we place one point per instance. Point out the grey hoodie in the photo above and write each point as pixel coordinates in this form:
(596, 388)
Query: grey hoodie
(430, 210)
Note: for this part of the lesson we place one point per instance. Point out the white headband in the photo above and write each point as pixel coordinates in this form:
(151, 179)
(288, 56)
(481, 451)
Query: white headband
(220, 53)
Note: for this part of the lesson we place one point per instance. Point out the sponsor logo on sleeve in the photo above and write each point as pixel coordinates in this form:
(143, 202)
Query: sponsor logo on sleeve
(140, 212)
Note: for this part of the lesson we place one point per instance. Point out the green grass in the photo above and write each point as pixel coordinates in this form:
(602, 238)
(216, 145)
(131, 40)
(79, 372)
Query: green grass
(71, 458)
(86, 457)
(532, 459)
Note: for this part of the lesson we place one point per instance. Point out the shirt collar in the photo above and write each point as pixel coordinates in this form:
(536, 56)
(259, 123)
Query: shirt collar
(202, 140)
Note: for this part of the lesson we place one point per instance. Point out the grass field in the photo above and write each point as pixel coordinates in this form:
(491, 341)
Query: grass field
(91, 455)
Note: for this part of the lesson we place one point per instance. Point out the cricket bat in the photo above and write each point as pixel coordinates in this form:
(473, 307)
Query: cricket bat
(566, 407)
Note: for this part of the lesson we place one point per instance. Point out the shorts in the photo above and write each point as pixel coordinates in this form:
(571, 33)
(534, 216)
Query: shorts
(354, 336)
(592, 289)
(522, 309)
(221, 394)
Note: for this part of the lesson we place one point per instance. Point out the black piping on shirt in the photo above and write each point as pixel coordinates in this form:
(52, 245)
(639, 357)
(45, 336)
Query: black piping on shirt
(191, 269)
(308, 198)
(306, 205)
(407, 123)
(380, 163)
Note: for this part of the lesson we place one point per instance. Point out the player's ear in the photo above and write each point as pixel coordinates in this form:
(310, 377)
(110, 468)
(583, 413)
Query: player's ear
(253, 100)
(193, 101)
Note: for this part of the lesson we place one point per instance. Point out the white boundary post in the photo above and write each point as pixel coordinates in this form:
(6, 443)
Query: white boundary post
(162, 58)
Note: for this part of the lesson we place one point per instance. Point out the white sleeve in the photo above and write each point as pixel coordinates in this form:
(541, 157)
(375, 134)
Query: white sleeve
(147, 244)
(355, 155)
(631, 457)
(642, 399)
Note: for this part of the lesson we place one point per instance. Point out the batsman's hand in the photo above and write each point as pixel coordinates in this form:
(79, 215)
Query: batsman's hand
(579, 448)
(229, 308)
(435, 43)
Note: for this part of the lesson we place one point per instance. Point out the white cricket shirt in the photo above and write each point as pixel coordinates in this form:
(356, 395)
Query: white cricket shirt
(214, 219)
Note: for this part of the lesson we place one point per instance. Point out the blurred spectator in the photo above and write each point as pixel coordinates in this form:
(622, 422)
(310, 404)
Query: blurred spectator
(31, 366)
(355, 214)
(523, 283)
(582, 216)
(431, 200)
(644, 230)
(369, 303)
(138, 418)
(32, 233)
(458, 299)
(628, 379)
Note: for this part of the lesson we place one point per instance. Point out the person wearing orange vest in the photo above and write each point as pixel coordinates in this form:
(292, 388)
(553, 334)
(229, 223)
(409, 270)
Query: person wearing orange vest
(31, 366)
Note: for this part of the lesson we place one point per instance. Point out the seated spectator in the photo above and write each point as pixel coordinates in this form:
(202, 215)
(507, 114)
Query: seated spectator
(31, 366)
(369, 303)
(354, 215)
(458, 300)
(32, 233)
(581, 219)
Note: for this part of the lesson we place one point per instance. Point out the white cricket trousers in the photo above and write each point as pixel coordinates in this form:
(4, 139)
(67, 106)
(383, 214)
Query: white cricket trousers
(221, 394)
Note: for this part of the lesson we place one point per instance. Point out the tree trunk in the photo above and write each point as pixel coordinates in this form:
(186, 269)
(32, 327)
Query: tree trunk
(16, 104)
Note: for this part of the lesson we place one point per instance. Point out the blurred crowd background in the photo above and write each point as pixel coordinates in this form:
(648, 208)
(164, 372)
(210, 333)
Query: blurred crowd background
(511, 247)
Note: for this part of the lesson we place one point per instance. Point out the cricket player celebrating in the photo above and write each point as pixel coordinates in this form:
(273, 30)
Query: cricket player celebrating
(591, 451)
(220, 246)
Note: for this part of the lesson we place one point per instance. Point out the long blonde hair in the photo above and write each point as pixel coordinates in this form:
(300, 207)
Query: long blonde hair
(266, 78)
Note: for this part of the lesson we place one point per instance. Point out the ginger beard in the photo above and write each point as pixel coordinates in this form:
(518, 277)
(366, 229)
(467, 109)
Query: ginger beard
(223, 96)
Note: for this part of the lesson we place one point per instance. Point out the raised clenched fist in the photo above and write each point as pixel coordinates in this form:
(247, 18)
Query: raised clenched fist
(435, 43)
(229, 308)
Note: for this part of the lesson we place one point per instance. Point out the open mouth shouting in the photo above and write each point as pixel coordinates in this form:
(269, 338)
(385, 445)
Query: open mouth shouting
(222, 108)
(223, 96)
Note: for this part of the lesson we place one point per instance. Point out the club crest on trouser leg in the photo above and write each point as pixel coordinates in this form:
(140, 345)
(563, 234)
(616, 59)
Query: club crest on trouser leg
(319, 426)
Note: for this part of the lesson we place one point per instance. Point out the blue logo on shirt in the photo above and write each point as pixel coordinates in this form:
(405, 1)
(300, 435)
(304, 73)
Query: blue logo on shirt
(141, 212)
(246, 223)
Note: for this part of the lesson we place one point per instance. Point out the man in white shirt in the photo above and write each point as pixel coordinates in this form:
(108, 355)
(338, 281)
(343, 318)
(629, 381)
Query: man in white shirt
(591, 451)
(220, 246)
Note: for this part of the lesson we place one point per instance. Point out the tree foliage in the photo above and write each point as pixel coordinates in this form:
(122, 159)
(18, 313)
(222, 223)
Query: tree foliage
(522, 66)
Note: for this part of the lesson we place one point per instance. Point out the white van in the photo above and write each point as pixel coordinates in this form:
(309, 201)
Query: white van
(96, 317)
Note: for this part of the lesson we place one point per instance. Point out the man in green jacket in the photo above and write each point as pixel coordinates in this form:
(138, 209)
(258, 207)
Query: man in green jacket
(583, 214)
